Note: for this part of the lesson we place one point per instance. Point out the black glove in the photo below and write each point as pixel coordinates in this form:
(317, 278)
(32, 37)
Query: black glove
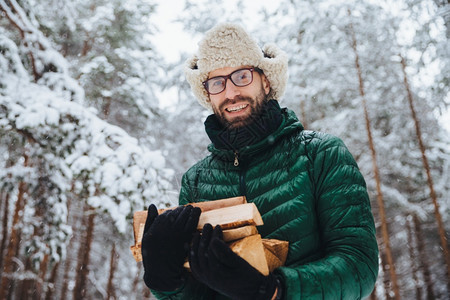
(217, 266)
(165, 246)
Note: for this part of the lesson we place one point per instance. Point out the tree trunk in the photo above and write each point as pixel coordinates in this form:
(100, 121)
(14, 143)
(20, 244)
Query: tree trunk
(137, 280)
(40, 283)
(380, 201)
(83, 261)
(106, 107)
(4, 229)
(414, 258)
(40, 211)
(383, 263)
(26, 288)
(423, 262)
(385, 266)
(373, 295)
(22, 286)
(5, 195)
(112, 269)
(14, 284)
(147, 293)
(51, 283)
(73, 220)
(8, 266)
(65, 283)
(433, 196)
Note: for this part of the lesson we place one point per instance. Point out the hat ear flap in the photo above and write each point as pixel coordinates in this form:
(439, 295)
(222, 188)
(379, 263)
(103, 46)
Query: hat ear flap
(272, 51)
(267, 52)
(191, 63)
(275, 66)
(193, 76)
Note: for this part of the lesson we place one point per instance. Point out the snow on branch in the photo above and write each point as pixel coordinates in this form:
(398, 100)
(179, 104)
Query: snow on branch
(110, 169)
(107, 167)
(42, 56)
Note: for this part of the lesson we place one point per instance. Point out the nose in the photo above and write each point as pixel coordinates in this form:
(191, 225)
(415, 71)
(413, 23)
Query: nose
(231, 90)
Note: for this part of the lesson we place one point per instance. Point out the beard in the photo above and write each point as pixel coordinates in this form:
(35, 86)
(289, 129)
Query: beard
(255, 108)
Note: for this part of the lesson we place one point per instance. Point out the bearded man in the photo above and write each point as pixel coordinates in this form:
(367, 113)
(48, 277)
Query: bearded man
(306, 185)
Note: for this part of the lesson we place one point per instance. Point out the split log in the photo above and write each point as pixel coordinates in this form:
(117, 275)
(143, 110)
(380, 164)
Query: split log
(276, 252)
(252, 250)
(238, 220)
(216, 204)
(273, 255)
(234, 234)
(231, 217)
(139, 218)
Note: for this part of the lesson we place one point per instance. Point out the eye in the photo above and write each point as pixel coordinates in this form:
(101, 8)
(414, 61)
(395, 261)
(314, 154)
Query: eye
(215, 85)
(216, 82)
(242, 77)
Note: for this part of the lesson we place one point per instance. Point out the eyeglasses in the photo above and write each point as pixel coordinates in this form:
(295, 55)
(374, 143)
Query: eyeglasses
(217, 85)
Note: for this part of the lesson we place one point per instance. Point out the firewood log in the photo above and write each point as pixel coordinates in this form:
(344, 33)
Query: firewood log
(251, 249)
(276, 252)
(234, 234)
(238, 220)
(139, 218)
(231, 217)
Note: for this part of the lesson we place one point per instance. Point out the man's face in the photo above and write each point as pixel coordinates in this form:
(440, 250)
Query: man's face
(235, 106)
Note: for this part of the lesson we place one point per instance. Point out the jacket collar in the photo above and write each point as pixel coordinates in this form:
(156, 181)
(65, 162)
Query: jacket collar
(227, 145)
(261, 126)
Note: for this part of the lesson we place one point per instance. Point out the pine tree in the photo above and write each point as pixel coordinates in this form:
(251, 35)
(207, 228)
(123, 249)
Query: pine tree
(322, 81)
(72, 152)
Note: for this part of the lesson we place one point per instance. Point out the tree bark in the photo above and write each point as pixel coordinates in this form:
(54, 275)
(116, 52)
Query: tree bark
(433, 196)
(137, 280)
(106, 107)
(23, 287)
(40, 292)
(386, 279)
(51, 282)
(4, 229)
(37, 285)
(373, 295)
(380, 201)
(423, 262)
(5, 195)
(112, 270)
(73, 220)
(8, 267)
(413, 257)
(83, 262)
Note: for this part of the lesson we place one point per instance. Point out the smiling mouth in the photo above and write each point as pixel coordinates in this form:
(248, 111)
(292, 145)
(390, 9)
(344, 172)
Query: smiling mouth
(236, 108)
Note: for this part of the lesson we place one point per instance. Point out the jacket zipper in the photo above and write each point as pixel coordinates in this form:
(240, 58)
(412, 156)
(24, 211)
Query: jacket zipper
(242, 171)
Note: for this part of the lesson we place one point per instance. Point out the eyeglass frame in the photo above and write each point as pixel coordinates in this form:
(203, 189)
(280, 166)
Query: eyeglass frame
(226, 77)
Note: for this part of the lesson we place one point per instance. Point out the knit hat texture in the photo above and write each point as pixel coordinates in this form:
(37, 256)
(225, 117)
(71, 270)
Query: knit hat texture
(229, 45)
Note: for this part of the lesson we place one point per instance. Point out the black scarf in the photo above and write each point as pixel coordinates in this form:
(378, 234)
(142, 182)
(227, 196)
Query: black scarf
(236, 138)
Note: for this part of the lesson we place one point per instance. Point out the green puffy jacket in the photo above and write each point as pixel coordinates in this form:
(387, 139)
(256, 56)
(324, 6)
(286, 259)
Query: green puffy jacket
(309, 192)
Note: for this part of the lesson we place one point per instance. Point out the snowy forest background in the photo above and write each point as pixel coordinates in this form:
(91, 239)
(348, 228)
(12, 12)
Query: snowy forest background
(96, 123)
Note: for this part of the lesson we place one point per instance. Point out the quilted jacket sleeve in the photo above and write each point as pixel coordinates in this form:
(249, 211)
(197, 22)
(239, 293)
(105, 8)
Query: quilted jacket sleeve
(349, 266)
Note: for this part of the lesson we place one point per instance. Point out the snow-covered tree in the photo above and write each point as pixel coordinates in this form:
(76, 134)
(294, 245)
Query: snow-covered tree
(324, 82)
(59, 151)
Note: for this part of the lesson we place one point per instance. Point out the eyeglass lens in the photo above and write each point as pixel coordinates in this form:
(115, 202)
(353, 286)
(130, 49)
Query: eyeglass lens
(241, 77)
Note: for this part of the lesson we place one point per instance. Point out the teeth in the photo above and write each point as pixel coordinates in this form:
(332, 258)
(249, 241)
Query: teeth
(237, 108)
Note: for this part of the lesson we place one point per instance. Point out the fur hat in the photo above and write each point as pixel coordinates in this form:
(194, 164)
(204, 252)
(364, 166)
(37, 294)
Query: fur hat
(228, 45)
